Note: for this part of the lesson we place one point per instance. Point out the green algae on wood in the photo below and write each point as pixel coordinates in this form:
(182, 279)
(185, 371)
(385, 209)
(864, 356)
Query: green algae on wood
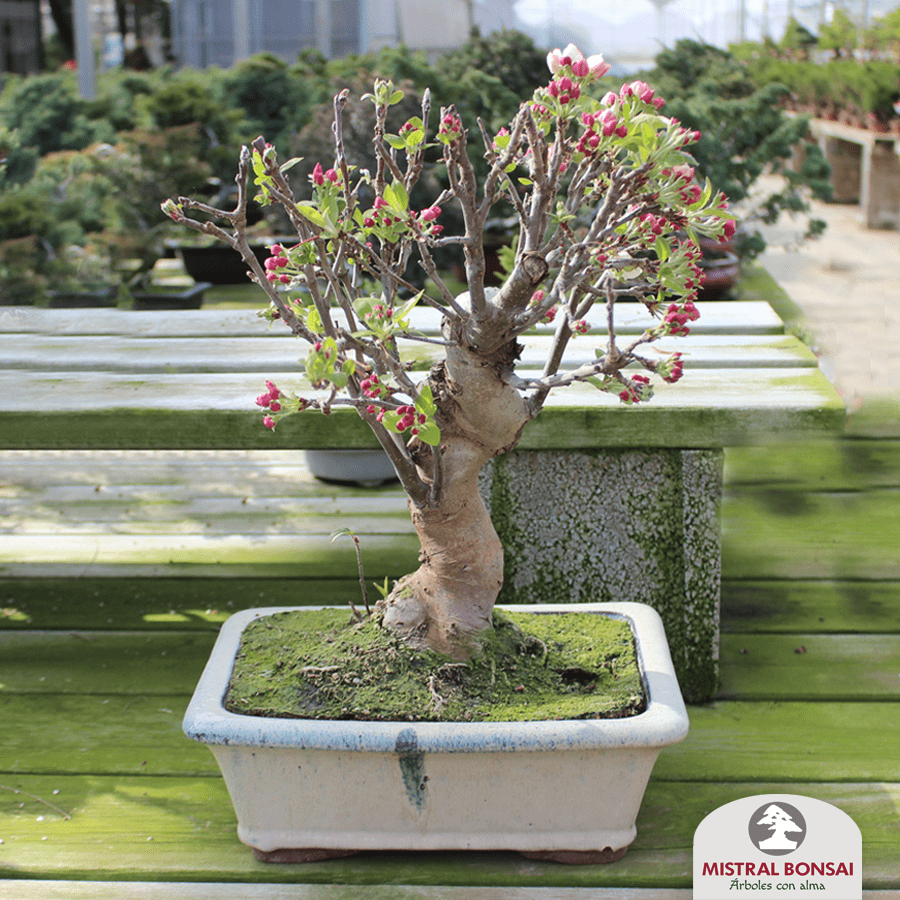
(322, 664)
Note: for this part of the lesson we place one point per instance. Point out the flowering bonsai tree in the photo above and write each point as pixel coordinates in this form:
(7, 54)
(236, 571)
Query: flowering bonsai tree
(607, 206)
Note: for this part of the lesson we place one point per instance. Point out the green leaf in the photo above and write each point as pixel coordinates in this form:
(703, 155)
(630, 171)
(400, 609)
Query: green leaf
(661, 246)
(430, 434)
(395, 141)
(425, 402)
(310, 212)
(290, 164)
(396, 196)
(396, 97)
(407, 307)
(526, 182)
(313, 320)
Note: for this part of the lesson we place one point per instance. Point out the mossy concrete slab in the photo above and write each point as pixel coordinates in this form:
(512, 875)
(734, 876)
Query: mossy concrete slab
(618, 526)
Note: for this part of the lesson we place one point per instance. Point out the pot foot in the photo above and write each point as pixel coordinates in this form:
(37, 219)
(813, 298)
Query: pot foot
(300, 855)
(576, 857)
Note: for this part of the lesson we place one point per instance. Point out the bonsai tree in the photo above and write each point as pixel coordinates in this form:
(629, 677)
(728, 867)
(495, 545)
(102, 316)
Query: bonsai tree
(607, 207)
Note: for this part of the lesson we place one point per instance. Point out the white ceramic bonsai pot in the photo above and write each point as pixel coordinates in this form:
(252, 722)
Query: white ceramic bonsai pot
(570, 791)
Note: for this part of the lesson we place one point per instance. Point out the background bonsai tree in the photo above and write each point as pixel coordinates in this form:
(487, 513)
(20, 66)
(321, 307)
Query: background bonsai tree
(607, 206)
(745, 135)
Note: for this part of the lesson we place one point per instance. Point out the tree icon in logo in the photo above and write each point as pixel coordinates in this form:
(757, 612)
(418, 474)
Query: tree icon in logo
(777, 828)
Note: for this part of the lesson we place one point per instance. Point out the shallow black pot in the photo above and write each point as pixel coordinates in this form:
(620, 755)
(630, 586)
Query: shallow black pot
(106, 296)
(219, 264)
(191, 298)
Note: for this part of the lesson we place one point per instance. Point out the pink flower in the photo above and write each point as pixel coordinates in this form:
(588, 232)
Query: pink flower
(642, 90)
(380, 203)
(571, 56)
(430, 214)
(269, 422)
(332, 176)
(317, 177)
(609, 122)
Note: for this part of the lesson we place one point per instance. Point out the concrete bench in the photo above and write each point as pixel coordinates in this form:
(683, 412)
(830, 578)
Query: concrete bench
(114, 379)
(865, 169)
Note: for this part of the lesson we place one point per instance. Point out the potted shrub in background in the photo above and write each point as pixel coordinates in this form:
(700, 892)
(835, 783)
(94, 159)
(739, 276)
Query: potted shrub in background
(602, 191)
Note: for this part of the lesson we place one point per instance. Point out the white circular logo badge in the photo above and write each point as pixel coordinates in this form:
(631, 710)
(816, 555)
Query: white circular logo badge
(777, 828)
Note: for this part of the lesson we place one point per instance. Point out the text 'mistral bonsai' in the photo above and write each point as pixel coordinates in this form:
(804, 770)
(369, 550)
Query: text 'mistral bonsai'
(607, 206)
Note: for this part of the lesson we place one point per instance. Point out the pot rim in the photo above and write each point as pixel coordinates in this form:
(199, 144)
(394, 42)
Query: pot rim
(664, 722)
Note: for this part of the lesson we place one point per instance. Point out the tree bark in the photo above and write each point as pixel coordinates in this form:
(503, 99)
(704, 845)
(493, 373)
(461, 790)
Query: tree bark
(448, 601)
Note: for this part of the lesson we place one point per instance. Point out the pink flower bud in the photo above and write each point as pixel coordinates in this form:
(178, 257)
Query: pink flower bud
(317, 177)
(269, 422)
(430, 214)
(580, 68)
(609, 122)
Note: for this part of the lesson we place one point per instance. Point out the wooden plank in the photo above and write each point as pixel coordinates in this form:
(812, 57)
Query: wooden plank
(262, 555)
(183, 829)
(71, 734)
(810, 667)
(795, 534)
(254, 354)
(99, 890)
(818, 741)
(172, 604)
(728, 741)
(821, 465)
(144, 664)
(152, 512)
(845, 537)
(712, 408)
(716, 317)
(835, 607)
(123, 603)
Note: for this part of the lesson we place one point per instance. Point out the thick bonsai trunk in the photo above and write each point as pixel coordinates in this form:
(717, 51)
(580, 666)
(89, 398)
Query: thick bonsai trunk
(447, 602)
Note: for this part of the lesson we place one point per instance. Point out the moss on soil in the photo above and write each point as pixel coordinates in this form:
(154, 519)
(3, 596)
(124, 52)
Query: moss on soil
(320, 664)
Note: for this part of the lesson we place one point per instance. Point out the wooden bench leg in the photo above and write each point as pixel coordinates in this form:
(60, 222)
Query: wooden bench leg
(618, 525)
